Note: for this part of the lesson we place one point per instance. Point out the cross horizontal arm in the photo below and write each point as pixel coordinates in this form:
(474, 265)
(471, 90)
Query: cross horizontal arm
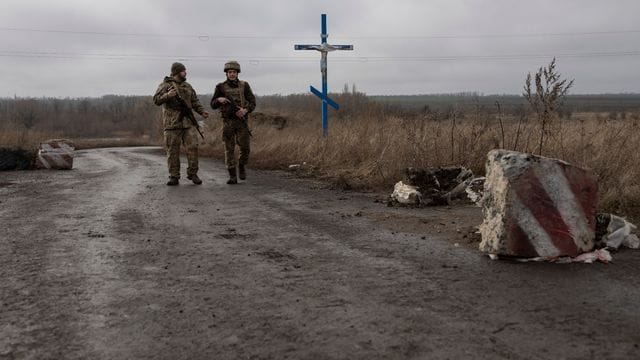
(341, 47)
(307, 47)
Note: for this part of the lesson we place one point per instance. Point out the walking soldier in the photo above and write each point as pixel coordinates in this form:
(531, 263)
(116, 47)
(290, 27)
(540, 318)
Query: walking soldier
(178, 99)
(235, 100)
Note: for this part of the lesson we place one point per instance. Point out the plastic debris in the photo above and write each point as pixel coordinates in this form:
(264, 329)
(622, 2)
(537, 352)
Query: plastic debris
(614, 231)
(602, 255)
(406, 194)
(302, 166)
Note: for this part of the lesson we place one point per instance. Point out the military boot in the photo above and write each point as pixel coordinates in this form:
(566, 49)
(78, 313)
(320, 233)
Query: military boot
(196, 180)
(242, 173)
(173, 181)
(233, 179)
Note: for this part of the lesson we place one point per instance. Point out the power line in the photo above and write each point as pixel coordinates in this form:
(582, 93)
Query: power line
(255, 60)
(207, 37)
(203, 37)
(483, 36)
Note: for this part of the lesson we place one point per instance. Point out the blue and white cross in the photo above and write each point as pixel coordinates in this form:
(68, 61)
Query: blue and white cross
(324, 48)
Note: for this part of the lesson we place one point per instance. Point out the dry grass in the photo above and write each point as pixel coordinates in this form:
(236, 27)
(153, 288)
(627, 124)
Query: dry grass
(32, 139)
(372, 151)
(24, 139)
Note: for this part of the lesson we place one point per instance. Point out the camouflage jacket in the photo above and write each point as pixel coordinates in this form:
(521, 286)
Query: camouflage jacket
(239, 91)
(171, 116)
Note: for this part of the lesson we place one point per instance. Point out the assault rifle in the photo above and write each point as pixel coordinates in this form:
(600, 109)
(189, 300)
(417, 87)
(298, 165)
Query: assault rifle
(186, 111)
(231, 111)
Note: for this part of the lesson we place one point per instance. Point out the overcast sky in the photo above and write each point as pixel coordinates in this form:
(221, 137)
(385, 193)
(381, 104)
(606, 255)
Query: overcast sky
(77, 48)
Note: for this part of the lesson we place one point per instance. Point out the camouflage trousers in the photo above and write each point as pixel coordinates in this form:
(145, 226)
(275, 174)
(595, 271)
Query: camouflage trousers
(236, 132)
(173, 141)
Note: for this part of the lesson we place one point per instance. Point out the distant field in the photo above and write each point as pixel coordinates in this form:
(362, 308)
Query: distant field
(465, 101)
(372, 139)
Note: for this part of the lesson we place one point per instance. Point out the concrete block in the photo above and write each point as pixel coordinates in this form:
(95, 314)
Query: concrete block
(537, 207)
(55, 154)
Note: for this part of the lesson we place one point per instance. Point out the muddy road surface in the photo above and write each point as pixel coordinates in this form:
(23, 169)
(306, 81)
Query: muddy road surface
(107, 262)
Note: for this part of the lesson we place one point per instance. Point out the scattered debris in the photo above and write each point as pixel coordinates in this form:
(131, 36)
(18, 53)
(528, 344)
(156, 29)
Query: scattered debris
(475, 190)
(435, 186)
(537, 207)
(613, 231)
(406, 194)
(55, 154)
(602, 255)
(302, 166)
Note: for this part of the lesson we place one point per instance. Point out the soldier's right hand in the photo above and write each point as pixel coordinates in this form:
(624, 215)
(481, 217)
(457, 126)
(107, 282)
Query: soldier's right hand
(222, 100)
(172, 92)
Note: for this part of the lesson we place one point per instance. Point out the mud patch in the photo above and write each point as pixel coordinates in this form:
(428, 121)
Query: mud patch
(128, 221)
(275, 255)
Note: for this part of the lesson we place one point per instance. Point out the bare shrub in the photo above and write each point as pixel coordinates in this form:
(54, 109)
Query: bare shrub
(546, 98)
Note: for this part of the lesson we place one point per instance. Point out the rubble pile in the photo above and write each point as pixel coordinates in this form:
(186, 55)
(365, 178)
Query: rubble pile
(435, 187)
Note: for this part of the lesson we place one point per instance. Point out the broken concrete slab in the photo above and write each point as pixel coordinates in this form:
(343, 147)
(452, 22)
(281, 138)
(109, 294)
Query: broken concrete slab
(537, 207)
(436, 186)
(442, 179)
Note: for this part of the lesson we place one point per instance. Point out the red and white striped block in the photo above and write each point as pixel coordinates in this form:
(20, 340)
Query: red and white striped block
(55, 154)
(537, 207)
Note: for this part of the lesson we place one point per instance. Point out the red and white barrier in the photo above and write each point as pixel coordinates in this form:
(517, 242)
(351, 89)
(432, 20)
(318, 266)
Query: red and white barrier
(55, 154)
(537, 207)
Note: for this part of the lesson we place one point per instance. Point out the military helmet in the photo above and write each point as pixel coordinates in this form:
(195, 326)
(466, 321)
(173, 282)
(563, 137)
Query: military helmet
(232, 65)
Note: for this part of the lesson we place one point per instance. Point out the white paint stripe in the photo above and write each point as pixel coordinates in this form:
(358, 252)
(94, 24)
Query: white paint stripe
(54, 162)
(536, 233)
(555, 183)
(44, 162)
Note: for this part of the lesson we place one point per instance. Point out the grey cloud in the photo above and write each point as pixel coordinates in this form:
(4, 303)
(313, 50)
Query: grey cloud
(299, 22)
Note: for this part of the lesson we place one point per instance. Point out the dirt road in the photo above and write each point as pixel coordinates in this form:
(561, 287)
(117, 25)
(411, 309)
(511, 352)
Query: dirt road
(106, 262)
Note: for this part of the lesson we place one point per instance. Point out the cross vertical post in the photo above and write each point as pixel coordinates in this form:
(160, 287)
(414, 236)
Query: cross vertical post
(324, 48)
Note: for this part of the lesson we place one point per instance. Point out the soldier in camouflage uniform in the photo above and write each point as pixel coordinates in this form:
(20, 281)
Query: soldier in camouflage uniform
(235, 100)
(177, 127)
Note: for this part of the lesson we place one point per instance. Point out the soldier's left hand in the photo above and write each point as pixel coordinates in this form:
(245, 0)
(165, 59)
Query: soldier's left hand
(205, 114)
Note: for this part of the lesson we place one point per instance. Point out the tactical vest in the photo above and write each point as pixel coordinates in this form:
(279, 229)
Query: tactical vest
(236, 93)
